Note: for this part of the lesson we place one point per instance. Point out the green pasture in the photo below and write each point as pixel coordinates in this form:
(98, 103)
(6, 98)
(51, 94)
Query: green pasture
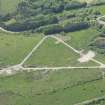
(14, 47)
(51, 88)
(82, 39)
(52, 53)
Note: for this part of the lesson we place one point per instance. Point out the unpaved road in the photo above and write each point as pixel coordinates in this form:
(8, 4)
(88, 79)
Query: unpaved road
(33, 50)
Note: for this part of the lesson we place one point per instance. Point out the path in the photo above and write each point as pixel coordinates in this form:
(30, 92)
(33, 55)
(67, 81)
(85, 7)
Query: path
(60, 40)
(61, 68)
(90, 101)
(33, 50)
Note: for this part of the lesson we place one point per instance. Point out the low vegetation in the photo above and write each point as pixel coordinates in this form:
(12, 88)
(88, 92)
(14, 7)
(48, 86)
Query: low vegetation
(19, 44)
(54, 88)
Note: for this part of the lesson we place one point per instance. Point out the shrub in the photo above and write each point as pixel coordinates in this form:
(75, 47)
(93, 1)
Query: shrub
(74, 5)
(51, 29)
(32, 24)
(75, 26)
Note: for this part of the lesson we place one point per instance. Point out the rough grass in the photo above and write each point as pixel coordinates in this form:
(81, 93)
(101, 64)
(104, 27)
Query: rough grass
(82, 39)
(51, 88)
(14, 47)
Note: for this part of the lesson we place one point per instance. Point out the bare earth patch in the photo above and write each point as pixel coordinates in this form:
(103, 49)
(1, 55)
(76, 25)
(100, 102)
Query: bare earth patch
(86, 57)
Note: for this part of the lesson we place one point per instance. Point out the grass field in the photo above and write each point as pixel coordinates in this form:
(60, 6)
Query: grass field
(82, 38)
(13, 48)
(51, 88)
(52, 53)
(8, 6)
